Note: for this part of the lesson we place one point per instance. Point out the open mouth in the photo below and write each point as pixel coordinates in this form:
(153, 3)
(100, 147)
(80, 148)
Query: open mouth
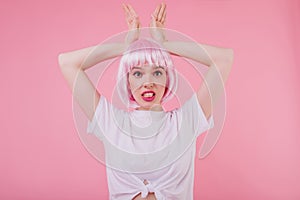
(148, 96)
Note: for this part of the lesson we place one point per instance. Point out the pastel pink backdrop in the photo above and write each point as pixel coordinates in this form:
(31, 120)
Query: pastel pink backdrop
(257, 156)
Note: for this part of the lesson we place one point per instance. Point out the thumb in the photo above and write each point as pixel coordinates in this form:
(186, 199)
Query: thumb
(152, 22)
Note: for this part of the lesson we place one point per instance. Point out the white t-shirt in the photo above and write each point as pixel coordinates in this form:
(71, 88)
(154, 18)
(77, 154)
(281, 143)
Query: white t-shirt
(148, 145)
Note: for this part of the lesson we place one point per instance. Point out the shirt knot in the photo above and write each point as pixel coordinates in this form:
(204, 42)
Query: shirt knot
(149, 188)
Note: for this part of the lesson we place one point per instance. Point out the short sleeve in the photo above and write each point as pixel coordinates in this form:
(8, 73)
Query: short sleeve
(193, 114)
(98, 125)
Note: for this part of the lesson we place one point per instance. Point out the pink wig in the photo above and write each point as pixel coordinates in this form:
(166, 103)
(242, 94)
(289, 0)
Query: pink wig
(145, 51)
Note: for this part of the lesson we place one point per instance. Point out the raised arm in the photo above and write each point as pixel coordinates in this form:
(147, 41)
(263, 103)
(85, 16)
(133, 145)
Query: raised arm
(218, 59)
(90, 56)
(73, 65)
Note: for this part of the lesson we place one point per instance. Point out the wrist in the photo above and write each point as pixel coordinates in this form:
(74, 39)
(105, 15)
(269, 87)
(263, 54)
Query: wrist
(165, 45)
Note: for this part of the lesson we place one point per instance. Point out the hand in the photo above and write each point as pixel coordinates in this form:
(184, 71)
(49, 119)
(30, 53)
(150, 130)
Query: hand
(133, 23)
(157, 24)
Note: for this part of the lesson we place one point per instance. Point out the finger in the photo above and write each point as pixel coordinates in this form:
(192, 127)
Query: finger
(155, 14)
(129, 18)
(126, 10)
(164, 17)
(153, 20)
(131, 10)
(138, 25)
(164, 13)
(123, 6)
(161, 11)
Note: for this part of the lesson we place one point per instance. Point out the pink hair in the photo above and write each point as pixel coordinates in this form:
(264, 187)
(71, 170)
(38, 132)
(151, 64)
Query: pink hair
(140, 52)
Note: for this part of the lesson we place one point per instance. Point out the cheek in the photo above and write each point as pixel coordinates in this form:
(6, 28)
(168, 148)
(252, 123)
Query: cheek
(133, 84)
(162, 82)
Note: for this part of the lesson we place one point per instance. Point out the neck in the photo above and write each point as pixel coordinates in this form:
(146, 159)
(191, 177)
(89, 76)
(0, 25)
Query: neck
(153, 108)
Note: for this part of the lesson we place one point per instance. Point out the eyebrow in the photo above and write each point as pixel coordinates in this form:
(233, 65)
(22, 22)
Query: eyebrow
(160, 67)
(136, 68)
(156, 67)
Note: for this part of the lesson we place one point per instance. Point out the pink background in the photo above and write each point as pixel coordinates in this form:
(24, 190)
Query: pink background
(257, 156)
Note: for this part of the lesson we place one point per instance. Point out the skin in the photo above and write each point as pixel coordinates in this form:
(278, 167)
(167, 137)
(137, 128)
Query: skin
(138, 86)
(148, 78)
(133, 23)
(73, 65)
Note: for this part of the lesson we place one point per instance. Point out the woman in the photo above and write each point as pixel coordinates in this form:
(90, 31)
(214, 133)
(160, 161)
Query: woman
(150, 152)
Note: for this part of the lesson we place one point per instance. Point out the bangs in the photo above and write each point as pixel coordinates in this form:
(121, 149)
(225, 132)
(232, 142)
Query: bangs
(145, 52)
(150, 56)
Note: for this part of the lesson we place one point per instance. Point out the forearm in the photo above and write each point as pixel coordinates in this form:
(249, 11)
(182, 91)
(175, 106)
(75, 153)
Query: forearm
(202, 53)
(88, 57)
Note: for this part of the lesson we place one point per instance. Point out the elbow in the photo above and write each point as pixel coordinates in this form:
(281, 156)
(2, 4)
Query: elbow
(225, 58)
(62, 60)
(66, 61)
(230, 56)
(225, 61)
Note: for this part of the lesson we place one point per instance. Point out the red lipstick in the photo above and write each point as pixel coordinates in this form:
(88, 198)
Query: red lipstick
(148, 96)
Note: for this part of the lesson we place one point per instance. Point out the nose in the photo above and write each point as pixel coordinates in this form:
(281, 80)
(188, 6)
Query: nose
(148, 84)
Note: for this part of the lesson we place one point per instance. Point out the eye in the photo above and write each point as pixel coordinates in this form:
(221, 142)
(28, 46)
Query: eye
(137, 74)
(157, 73)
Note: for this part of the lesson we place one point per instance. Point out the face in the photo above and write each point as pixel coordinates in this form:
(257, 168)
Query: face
(148, 85)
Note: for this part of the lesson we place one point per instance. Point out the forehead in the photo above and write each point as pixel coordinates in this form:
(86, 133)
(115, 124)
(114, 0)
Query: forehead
(145, 57)
(148, 67)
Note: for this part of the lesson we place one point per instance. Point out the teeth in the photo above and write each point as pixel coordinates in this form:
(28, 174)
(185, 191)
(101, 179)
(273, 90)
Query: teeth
(148, 95)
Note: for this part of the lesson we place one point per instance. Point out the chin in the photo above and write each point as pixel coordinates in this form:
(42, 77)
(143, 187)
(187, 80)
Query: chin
(149, 106)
